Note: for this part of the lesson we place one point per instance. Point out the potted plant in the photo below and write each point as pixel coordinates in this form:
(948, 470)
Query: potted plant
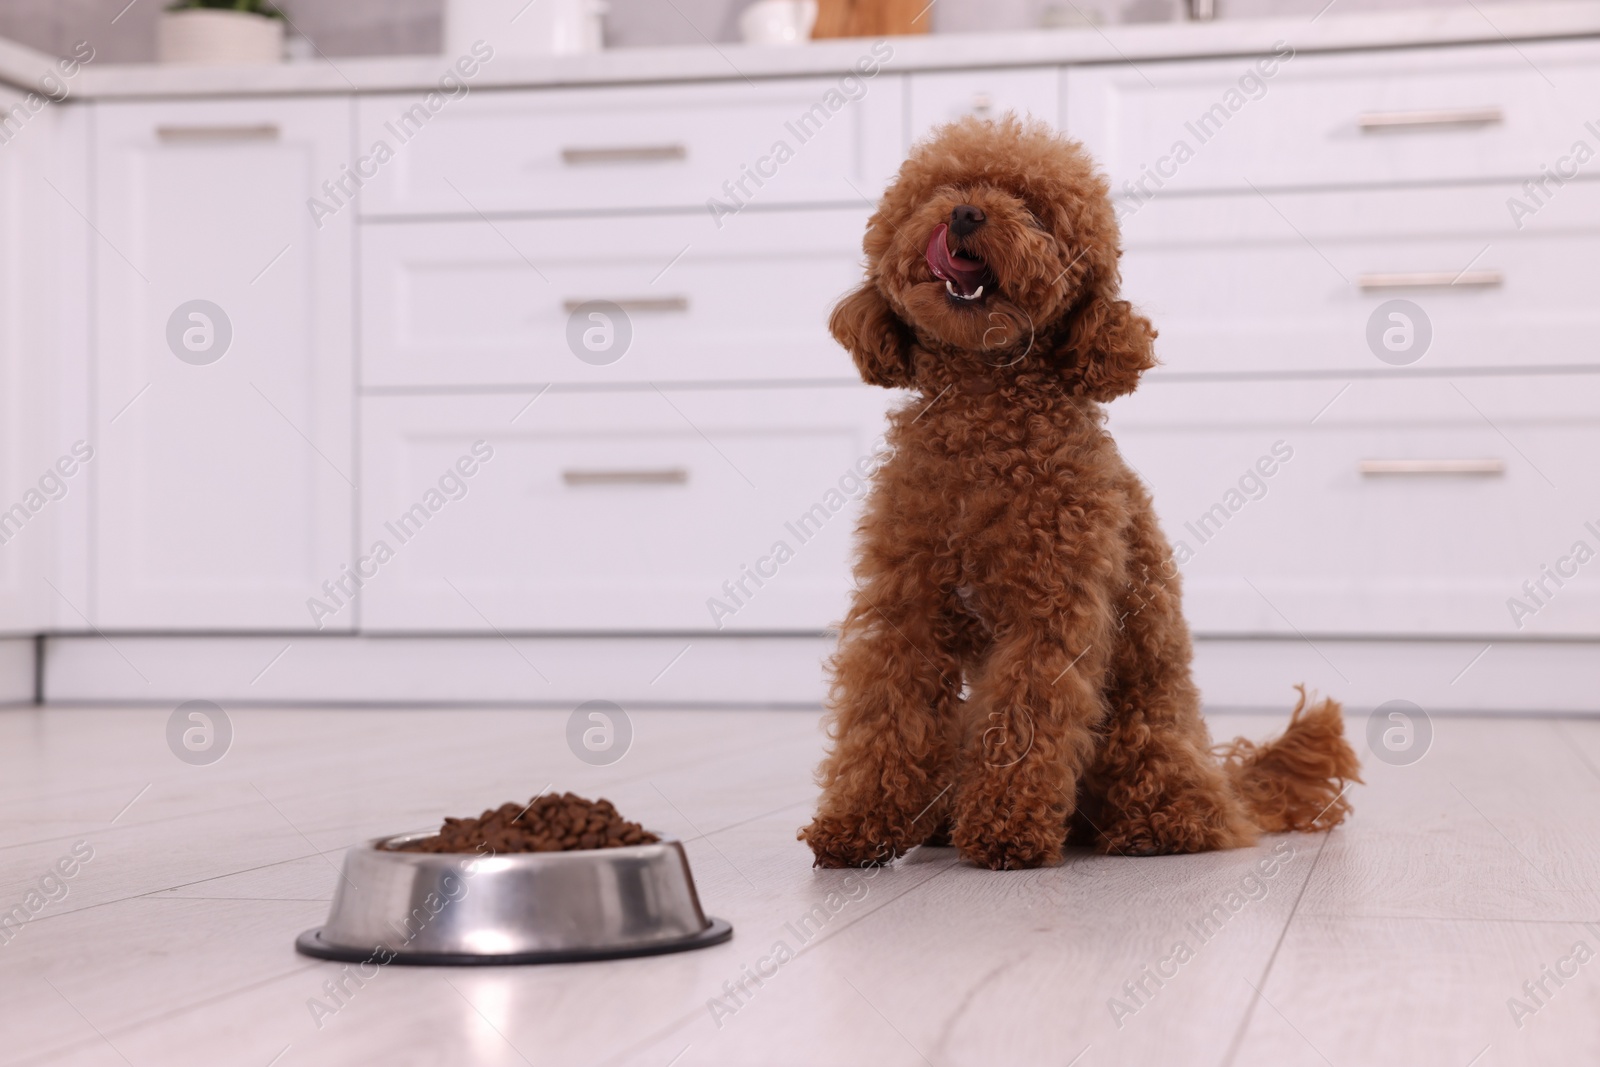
(221, 32)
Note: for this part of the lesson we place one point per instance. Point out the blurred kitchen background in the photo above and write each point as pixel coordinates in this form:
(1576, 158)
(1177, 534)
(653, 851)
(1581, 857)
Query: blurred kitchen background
(399, 352)
(415, 27)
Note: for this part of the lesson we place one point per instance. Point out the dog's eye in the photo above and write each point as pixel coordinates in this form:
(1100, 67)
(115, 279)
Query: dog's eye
(1034, 220)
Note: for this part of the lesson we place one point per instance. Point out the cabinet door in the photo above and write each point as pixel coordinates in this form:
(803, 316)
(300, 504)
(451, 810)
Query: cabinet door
(1411, 506)
(24, 530)
(1281, 120)
(1309, 282)
(711, 148)
(223, 362)
(640, 510)
(945, 96)
(454, 303)
(44, 486)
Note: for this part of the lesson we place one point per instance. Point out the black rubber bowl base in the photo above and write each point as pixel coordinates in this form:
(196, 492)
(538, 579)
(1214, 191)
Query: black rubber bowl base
(310, 943)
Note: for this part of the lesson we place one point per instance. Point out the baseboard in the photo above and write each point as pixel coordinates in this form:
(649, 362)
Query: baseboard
(1233, 674)
(17, 658)
(1441, 676)
(354, 670)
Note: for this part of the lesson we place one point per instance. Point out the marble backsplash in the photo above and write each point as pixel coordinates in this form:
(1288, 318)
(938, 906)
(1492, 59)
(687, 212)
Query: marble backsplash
(125, 32)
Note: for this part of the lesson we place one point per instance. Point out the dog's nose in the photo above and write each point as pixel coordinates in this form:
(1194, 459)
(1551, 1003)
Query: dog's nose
(964, 218)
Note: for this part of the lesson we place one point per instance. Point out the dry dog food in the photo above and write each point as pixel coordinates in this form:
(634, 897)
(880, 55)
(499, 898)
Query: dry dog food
(547, 823)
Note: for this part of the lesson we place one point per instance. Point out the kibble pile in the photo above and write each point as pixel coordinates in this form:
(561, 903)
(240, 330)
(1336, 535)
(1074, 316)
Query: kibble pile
(548, 823)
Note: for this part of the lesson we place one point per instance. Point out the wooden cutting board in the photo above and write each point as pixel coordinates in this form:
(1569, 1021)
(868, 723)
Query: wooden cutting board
(872, 18)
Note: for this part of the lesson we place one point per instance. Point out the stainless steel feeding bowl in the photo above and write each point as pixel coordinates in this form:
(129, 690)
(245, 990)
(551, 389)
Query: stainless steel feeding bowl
(463, 908)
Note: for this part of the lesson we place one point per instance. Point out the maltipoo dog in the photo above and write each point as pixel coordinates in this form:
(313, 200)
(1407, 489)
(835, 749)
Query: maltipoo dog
(1014, 668)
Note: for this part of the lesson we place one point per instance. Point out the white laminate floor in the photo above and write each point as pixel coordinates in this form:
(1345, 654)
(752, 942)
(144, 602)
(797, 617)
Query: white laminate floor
(1405, 937)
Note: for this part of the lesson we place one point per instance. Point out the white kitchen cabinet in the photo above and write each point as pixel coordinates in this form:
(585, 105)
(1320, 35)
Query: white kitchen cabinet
(457, 303)
(1409, 506)
(1378, 117)
(435, 298)
(1308, 282)
(790, 141)
(938, 97)
(26, 518)
(45, 484)
(225, 474)
(637, 510)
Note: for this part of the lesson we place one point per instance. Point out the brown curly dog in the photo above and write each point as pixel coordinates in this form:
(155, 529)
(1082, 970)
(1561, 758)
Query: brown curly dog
(1014, 667)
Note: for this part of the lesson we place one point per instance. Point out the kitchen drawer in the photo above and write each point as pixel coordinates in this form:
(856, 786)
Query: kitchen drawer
(617, 510)
(220, 312)
(783, 142)
(462, 303)
(1443, 114)
(44, 402)
(1305, 282)
(1400, 506)
(941, 97)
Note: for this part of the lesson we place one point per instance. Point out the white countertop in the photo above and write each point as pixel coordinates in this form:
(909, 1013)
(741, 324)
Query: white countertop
(1484, 22)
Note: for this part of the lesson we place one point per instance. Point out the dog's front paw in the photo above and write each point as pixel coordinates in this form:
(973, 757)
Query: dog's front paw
(1014, 843)
(840, 842)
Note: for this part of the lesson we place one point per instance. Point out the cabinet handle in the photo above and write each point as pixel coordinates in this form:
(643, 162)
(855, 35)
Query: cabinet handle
(634, 303)
(266, 131)
(1432, 279)
(1372, 467)
(645, 153)
(664, 476)
(1373, 121)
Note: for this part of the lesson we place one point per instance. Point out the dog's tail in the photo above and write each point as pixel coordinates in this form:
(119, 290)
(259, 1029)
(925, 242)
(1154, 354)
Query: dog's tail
(1296, 781)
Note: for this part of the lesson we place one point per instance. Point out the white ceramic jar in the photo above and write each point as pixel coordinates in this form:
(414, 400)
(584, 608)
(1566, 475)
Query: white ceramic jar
(518, 28)
(219, 38)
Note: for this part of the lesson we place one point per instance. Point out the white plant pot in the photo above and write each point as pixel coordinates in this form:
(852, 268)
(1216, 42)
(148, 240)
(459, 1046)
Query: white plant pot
(518, 28)
(204, 36)
(784, 22)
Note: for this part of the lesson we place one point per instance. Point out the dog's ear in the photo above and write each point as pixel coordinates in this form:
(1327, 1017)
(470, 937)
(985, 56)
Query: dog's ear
(873, 334)
(1106, 345)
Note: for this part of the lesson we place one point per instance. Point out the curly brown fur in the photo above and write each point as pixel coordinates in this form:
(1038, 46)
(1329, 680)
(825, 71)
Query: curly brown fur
(1015, 659)
(1298, 781)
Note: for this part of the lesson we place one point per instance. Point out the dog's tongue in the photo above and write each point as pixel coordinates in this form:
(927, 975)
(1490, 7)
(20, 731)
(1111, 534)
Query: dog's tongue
(965, 274)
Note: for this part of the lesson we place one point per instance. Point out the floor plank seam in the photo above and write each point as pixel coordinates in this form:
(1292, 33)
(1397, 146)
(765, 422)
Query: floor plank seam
(746, 822)
(1575, 748)
(103, 828)
(173, 1013)
(399, 778)
(674, 1025)
(181, 885)
(1237, 1043)
(1488, 921)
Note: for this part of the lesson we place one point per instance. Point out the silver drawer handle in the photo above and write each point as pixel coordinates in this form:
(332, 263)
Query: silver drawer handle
(1433, 279)
(635, 303)
(1370, 467)
(266, 131)
(644, 153)
(665, 476)
(1404, 120)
